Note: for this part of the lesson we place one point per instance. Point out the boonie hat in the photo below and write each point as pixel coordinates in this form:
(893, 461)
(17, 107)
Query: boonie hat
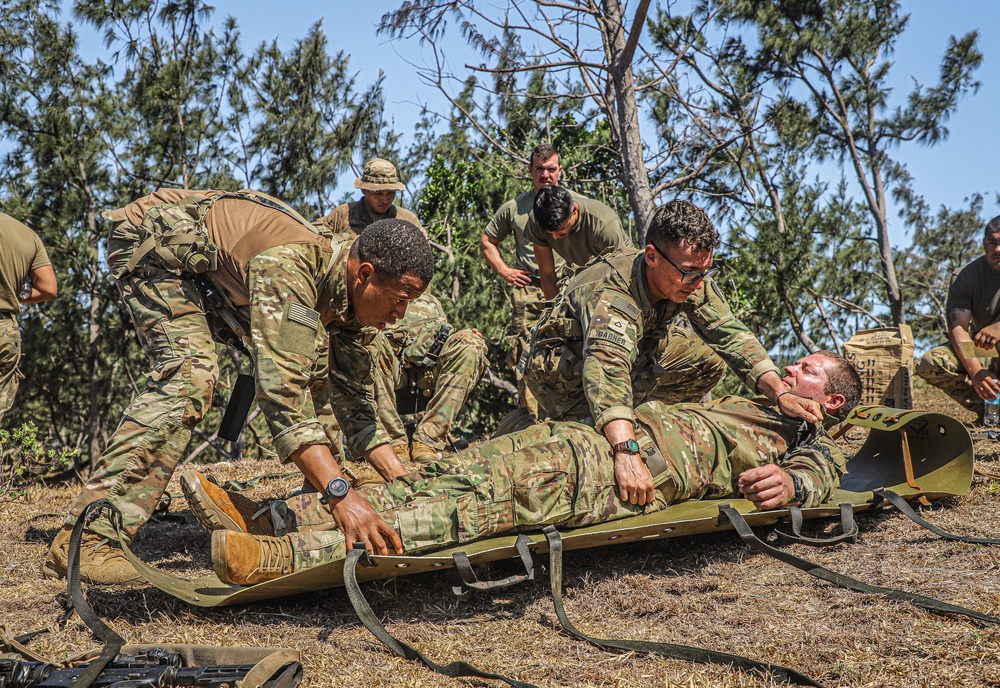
(379, 175)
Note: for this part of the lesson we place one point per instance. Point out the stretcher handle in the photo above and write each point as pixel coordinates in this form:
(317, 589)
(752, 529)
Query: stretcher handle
(848, 529)
(470, 581)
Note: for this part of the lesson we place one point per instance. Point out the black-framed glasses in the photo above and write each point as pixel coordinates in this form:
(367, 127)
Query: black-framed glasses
(687, 276)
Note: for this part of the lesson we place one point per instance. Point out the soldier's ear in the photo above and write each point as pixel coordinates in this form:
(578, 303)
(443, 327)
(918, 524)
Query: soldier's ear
(366, 273)
(834, 402)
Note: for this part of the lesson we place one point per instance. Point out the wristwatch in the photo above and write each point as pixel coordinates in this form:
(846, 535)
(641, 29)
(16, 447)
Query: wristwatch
(626, 447)
(335, 489)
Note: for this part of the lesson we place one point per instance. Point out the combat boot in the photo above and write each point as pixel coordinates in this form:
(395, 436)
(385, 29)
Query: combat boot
(423, 453)
(402, 449)
(244, 559)
(216, 509)
(101, 562)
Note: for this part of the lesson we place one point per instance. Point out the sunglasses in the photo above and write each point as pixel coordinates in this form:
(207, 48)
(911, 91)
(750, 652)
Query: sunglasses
(687, 276)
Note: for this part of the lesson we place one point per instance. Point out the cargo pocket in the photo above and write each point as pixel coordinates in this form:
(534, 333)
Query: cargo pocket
(444, 520)
(542, 498)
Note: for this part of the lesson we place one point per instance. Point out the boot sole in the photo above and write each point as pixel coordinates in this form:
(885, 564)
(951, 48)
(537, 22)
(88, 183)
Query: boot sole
(219, 556)
(210, 518)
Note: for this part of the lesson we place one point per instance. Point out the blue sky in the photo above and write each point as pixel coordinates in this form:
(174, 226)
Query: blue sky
(945, 174)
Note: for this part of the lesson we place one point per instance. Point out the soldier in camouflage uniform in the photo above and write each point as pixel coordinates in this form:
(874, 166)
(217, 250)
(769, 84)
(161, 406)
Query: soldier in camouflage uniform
(973, 314)
(22, 258)
(606, 344)
(286, 280)
(564, 473)
(421, 360)
(447, 377)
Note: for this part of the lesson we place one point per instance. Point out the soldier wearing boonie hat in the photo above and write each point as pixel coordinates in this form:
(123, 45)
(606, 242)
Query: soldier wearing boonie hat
(379, 183)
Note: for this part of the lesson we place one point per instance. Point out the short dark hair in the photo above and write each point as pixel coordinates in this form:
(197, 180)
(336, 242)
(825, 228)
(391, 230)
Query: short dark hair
(682, 221)
(992, 227)
(542, 151)
(553, 204)
(843, 379)
(395, 248)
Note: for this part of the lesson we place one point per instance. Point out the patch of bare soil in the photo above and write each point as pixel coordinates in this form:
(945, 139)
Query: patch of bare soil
(706, 591)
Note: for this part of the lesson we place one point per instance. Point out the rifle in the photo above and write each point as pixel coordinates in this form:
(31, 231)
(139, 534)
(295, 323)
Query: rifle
(146, 669)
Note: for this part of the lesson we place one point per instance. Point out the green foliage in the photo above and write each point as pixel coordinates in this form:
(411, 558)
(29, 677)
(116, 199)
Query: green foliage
(27, 458)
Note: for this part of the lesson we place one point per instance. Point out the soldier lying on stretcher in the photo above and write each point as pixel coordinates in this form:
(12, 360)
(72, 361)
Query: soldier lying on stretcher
(560, 473)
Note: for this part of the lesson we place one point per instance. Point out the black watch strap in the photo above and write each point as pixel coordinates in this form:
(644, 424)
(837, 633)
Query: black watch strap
(335, 489)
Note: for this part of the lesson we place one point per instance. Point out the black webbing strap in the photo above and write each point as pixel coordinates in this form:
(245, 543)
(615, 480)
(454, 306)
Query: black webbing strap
(929, 603)
(848, 529)
(469, 579)
(907, 510)
(668, 650)
(371, 622)
(112, 641)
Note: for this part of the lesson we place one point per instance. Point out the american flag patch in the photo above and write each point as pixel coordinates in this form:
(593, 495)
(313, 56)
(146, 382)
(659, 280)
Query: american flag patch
(622, 306)
(303, 316)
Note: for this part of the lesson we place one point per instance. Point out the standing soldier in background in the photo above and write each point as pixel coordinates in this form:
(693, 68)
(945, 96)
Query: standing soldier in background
(511, 218)
(22, 257)
(378, 183)
(574, 227)
(973, 314)
(419, 355)
(192, 263)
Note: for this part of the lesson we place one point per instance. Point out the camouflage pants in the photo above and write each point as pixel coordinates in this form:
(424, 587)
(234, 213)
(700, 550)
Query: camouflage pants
(449, 382)
(558, 473)
(686, 368)
(941, 368)
(527, 306)
(10, 357)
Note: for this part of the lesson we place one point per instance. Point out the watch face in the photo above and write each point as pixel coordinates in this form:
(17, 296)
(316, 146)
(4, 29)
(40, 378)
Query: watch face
(335, 489)
(632, 445)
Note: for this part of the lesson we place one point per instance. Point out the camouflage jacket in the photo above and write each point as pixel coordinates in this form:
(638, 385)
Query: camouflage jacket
(413, 336)
(594, 354)
(743, 434)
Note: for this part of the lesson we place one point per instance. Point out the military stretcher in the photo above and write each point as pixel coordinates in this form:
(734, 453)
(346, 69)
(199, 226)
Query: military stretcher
(918, 455)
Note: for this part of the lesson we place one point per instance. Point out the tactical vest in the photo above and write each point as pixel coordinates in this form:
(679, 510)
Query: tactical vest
(552, 365)
(173, 235)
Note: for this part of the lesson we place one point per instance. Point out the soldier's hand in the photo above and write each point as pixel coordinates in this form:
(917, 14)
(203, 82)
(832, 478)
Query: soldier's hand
(986, 385)
(358, 522)
(635, 483)
(519, 278)
(767, 486)
(988, 337)
(800, 407)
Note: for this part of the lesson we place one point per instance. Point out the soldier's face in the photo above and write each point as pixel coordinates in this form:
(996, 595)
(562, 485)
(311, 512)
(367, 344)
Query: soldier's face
(545, 172)
(991, 247)
(809, 376)
(664, 266)
(379, 202)
(381, 302)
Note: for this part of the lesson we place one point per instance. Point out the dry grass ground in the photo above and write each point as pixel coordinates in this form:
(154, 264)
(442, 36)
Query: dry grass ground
(708, 591)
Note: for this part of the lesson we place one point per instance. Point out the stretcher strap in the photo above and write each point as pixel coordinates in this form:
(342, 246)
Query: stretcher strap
(907, 510)
(668, 650)
(469, 579)
(112, 641)
(929, 603)
(848, 529)
(371, 622)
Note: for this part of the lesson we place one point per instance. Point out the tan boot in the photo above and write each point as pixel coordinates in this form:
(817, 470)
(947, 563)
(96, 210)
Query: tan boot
(217, 509)
(402, 449)
(244, 559)
(423, 453)
(101, 562)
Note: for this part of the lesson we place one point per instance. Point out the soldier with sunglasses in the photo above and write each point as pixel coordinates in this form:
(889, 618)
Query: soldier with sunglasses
(610, 343)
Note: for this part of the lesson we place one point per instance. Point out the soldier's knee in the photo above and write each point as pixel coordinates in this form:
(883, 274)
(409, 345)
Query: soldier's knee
(933, 364)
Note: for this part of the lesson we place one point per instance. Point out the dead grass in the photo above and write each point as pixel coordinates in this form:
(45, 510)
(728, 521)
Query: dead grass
(707, 591)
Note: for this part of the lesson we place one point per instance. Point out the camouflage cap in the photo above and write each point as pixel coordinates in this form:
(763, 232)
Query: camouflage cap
(379, 175)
